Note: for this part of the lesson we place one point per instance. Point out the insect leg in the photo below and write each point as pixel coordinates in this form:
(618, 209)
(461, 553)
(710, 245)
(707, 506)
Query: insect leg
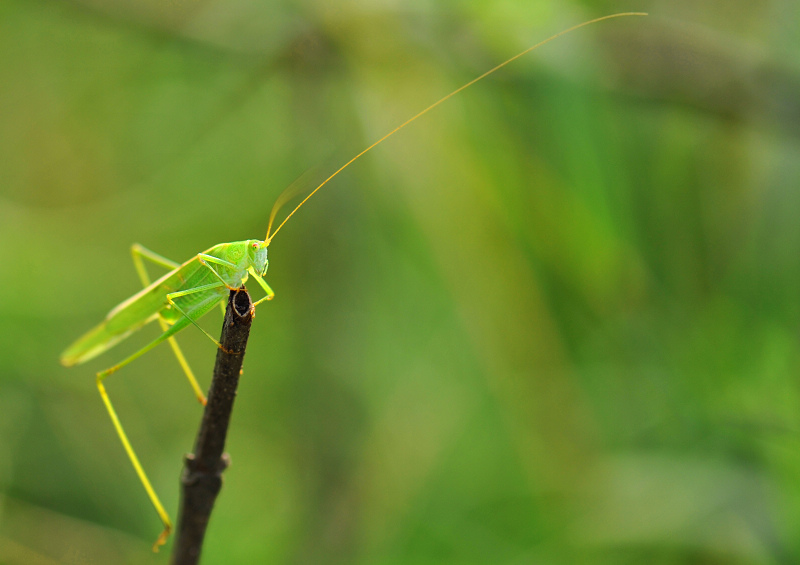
(202, 257)
(211, 259)
(270, 293)
(173, 295)
(138, 253)
(101, 376)
(205, 259)
(162, 538)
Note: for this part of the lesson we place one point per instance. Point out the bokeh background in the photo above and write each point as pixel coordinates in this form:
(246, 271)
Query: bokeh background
(554, 321)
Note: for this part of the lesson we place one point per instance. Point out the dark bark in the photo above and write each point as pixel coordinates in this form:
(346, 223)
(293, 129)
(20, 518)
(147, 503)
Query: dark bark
(202, 474)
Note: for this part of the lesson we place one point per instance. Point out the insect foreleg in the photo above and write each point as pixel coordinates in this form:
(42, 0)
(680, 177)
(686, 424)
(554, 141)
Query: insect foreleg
(138, 253)
(270, 293)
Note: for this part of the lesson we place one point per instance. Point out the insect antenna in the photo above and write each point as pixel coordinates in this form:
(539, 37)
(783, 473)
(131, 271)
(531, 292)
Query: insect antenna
(299, 185)
(281, 200)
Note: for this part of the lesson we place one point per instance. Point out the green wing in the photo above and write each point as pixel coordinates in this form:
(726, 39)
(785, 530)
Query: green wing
(121, 322)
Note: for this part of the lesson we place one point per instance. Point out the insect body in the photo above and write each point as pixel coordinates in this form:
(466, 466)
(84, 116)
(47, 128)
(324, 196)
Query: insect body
(177, 299)
(190, 290)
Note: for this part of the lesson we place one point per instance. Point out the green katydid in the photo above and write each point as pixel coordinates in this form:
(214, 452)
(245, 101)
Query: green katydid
(189, 290)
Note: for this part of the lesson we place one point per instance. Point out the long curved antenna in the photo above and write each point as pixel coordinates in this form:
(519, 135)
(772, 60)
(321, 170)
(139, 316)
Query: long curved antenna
(300, 183)
(432, 106)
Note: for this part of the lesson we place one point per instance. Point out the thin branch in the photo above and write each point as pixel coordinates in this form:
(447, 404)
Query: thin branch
(202, 473)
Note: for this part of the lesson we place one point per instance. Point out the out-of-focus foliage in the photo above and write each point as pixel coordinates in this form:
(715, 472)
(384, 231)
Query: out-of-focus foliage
(555, 321)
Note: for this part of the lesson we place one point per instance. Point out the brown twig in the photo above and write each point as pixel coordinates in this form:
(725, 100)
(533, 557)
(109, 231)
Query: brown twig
(202, 473)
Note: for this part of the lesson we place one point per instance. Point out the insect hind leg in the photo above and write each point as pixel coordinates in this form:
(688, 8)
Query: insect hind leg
(151, 493)
(139, 252)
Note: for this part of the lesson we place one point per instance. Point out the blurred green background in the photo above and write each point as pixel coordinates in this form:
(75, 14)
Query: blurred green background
(554, 321)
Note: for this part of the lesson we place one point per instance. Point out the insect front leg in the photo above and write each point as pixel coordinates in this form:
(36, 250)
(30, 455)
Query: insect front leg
(139, 253)
(270, 293)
